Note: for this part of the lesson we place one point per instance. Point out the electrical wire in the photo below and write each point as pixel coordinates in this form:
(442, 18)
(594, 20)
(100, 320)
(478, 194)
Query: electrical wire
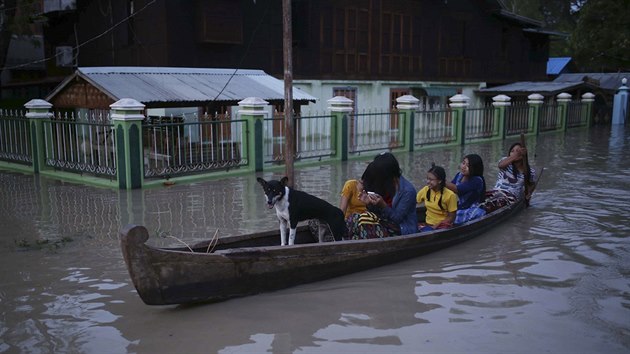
(84, 43)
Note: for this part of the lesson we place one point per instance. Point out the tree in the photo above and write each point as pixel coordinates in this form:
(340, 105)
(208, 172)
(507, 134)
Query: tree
(8, 9)
(601, 39)
(16, 18)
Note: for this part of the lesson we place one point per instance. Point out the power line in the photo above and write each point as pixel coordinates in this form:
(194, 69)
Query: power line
(84, 43)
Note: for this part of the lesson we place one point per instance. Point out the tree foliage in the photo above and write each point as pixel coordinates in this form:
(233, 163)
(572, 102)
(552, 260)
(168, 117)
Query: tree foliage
(601, 38)
(598, 30)
(17, 17)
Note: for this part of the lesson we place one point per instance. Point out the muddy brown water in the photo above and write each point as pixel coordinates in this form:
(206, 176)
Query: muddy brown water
(553, 279)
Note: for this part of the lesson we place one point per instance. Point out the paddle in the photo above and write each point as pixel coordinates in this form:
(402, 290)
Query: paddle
(534, 185)
(528, 185)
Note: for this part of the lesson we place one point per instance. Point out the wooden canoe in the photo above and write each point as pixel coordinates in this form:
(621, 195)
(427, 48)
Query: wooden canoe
(249, 264)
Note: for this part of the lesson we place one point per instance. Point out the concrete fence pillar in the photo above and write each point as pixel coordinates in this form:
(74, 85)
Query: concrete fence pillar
(407, 106)
(563, 100)
(587, 109)
(535, 102)
(252, 110)
(458, 105)
(340, 107)
(620, 104)
(127, 115)
(500, 104)
(38, 111)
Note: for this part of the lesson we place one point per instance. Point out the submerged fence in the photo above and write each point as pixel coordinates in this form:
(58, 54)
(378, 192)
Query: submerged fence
(127, 150)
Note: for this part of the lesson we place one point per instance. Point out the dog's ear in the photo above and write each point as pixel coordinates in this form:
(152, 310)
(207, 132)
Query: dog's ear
(261, 181)
(284, 181)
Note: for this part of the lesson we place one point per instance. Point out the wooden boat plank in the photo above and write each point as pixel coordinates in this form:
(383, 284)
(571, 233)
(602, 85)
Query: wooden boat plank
(249, 264)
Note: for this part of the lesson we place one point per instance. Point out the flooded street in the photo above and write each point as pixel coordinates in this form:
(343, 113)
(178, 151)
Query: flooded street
(555, 278)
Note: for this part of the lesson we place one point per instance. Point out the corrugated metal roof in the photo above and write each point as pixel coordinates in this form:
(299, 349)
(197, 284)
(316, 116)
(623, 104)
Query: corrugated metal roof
(168, 84)
(556, 65)
(607, 81)
(526, 87)
(603, 81)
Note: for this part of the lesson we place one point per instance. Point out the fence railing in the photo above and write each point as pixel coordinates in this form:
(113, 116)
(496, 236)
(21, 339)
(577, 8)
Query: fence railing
(550, 117)
(375, 131)
(182, 148)
(518, 119)
(576, 116)
(80, 147)
(15, 137)
(155, 148)
(314, 138)
(480, 123)
(435, 127)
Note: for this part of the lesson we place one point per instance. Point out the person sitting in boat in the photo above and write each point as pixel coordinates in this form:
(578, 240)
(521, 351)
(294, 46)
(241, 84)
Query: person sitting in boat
(470, 187)
(390, 201)
(440, 202)
(349, 204)
(514, 175)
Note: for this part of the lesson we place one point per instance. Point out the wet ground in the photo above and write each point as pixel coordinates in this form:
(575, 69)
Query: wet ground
(553, 279)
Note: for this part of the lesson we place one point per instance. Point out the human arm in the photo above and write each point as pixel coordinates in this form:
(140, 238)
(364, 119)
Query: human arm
(403, 205)
(516, 155)
(451, 210)
(453, 184)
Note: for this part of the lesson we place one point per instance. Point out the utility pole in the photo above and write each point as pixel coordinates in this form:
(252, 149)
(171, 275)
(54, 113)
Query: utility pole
(289, 142)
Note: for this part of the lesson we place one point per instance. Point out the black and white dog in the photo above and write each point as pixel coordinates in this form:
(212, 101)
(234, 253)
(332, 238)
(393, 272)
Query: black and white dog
(293, 206)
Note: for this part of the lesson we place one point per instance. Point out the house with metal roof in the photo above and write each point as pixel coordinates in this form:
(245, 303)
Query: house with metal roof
(95, 88)
(603, 85)
(371, 51)
(559, 65)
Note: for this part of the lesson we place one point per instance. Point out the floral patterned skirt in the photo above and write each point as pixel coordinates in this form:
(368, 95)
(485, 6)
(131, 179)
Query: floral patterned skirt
(496, 199)
(369, 225)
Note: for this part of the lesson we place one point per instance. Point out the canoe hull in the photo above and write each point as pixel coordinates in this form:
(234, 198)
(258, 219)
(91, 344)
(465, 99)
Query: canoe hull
(249, 264)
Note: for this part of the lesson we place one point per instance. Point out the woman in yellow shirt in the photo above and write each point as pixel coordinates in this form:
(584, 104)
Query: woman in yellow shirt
(441, 202)
(350, 202)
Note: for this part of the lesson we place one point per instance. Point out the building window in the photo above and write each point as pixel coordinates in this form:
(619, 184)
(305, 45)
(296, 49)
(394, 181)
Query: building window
(220, 21)
(345, 40)
(400, 43)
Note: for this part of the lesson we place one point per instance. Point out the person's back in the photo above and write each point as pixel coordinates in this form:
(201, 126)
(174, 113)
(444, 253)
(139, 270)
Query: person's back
(350, 202)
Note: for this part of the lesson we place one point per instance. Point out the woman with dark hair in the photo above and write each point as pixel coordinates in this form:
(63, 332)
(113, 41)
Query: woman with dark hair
(440, 202)
(390, 201)
(514, 174)
(470, 187)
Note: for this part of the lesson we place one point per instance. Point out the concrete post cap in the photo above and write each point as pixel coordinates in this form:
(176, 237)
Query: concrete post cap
(127, 104)
(38, 104)
(252, 102)
(340, 104)
(407, 102)
(459, 101)
(563, 97)
(588, 97)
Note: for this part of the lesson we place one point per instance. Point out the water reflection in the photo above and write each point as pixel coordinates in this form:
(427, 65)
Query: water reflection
(552, 279)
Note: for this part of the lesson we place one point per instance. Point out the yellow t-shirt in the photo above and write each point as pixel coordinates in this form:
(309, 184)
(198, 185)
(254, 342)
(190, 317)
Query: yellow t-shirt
(351, 191)
(435, 214)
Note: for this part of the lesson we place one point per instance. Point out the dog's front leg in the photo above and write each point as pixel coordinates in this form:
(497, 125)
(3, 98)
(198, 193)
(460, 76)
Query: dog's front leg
(291, 236)
(283, 232)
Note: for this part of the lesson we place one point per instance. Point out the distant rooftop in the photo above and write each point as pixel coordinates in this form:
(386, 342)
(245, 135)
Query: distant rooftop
(557, 64)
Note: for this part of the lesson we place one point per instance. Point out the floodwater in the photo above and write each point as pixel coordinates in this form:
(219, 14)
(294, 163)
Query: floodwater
(556, 278)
